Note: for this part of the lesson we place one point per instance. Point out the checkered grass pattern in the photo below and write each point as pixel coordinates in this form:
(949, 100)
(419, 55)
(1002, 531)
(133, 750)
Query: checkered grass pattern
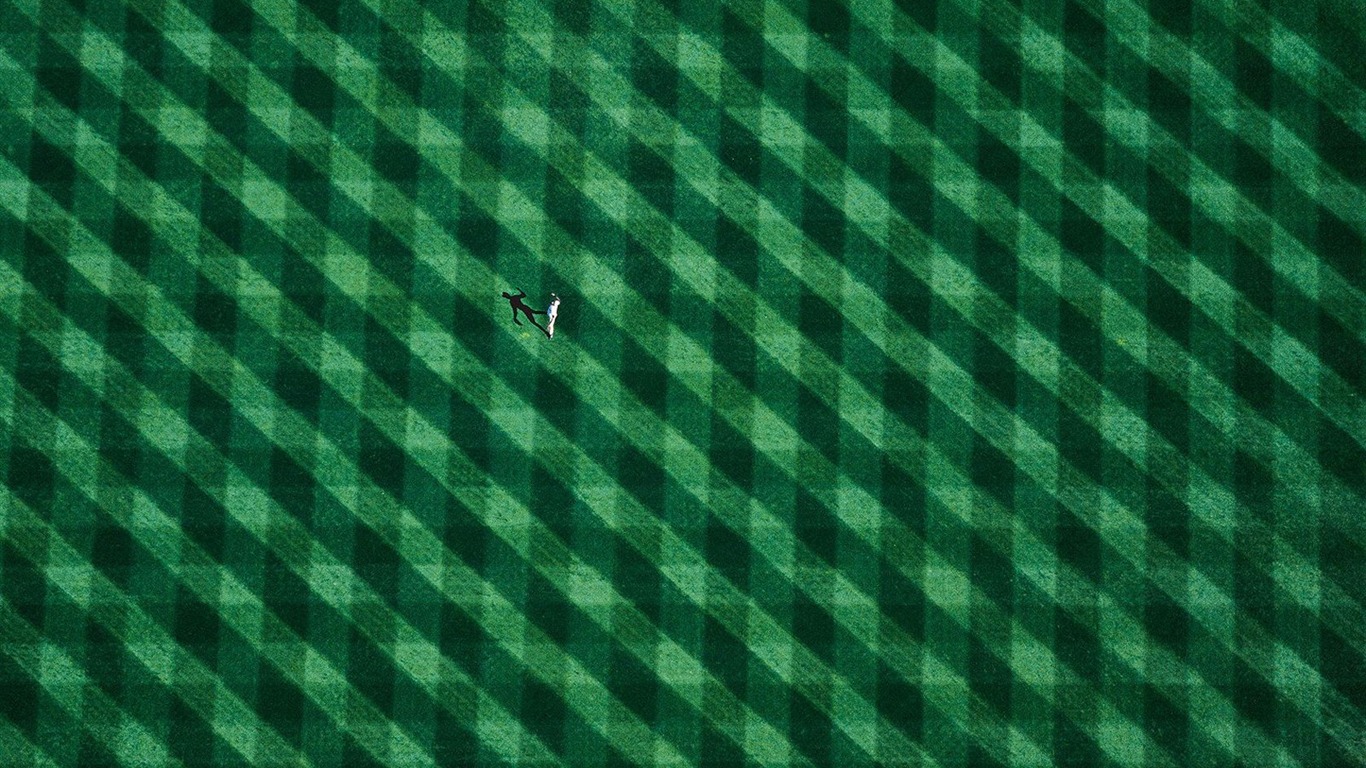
(952, 383)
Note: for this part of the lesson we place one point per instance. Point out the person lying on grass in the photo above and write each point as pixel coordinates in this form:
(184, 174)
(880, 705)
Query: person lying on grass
(552, 312)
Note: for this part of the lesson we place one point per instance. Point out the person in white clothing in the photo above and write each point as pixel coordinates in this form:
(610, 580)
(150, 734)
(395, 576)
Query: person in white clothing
(551, 313)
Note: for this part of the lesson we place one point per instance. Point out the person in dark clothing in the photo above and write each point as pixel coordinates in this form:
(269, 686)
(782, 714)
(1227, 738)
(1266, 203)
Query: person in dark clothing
(518, 306)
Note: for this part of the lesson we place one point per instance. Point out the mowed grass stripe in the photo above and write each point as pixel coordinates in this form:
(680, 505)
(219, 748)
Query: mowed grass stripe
(1304, 701)
(540, 119)
(469, 56)
(811, 685)
(560, 38)
(171, 435)
(745, 723)
(637, 518)
(1212, 192)
(330, 579)
(1112, 313)
(240, 608)
(1209, 190)
(501, 621)
(66, 683)
(1132, 424)
(1246, 426)
(1250, 327)
(1129, 225)
(1213, 504)
(1083, 394)
(1165, 52)
(602, 78)
(1040, 355)
(722, 707)
(1298, 58)
(15, 747)
(1299, 472)
(182, 673)
(999, 321)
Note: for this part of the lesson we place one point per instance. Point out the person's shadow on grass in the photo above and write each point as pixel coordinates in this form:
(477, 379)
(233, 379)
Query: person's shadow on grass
(518, 306)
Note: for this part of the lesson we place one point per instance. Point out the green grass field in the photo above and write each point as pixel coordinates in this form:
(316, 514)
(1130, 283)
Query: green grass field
(947, 383)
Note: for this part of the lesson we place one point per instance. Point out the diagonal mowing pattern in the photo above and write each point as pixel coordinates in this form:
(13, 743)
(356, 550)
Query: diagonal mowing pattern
(1104, 203)
(1313, 174)
(129, 742)
(179, 670)
(600, 75)
(607, 613)
(334, 582)
(1269, 604)
(1076, 388)
(1217, 519)
(78, 460)
(255, 285)
(1300, 59)
(993, 317)
(346, 483)
(887, 735)
(17, 749)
